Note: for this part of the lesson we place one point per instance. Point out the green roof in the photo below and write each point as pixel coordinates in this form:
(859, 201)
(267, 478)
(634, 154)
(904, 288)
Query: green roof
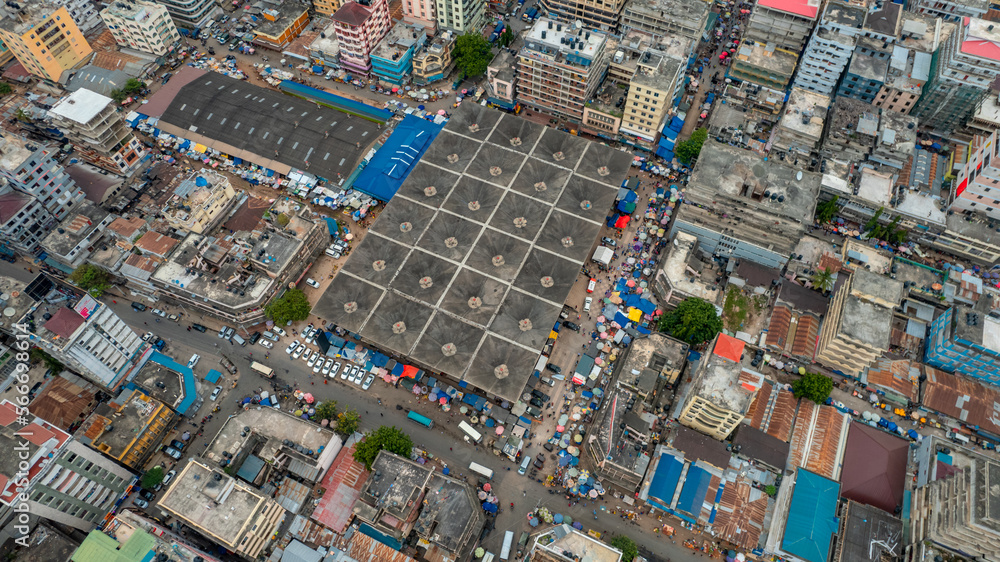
(812, 517)
(99, 547)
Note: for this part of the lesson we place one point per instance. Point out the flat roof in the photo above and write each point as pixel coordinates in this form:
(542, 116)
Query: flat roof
(881, 289)
(868, 66)
(780, 62)
(285, 12)
(81, 106)
(875, 187)
(564, 539)
(866, 322)
(79, 224)
(844, 14)
(13, 151)
(399, 40)
(682, 251)
(273, 425)
(586, 43)
(216, 110)
(720, 381)
(868, 534)
(982, 39)
(804, 8)
(805, 113)
(479, 248)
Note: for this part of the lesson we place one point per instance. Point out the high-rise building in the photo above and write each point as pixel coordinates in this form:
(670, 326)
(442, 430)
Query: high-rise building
(656, 85)
(977, 185)
(192, 13)
(23, 221)
(145, 26)
(421, 12)
(604, 15)
(30, 169)
(84, 13)
(461, 16)
(830, 48)
(962, 69)
(783, 23)
(560, 67)
(98, 131)
(45, 39)
(392, 58)
(966, 340)
(360, 26)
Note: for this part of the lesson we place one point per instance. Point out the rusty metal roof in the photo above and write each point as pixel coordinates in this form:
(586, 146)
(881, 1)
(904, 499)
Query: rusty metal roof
(962, 399)
(895, 374)
(773, 411)
(777, 330)
(816, 438)
(806, 332)
(740, 518)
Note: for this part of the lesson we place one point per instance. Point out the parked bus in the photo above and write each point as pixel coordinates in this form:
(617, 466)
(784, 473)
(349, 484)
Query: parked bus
(422, 420)
(481, 470)
(470, 432)
(264, 370)
(508, 539)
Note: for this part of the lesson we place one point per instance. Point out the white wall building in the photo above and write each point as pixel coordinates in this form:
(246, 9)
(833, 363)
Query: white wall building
(829, 49)
(144, 26)
(461, 16)
(85, 14)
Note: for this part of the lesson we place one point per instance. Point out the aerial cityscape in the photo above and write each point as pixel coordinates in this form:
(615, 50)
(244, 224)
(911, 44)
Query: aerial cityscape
(333, 280)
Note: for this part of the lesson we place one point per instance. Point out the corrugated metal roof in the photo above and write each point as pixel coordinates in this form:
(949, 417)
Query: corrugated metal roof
(777, 330)
(816, 438)
(740, 517)
(812, 517)
(874, 467)
(694, 490)
(921, 66)
(962, 399)
(664, 482)
(806, 332)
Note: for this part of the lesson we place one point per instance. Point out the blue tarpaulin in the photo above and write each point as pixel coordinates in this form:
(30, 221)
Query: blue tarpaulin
(213, 376)
(621, 319)
(524, 420)
(187, 378)
(380, 359)
(665, 154)
(397, 370)
(335, 101)
(331, 224)
(393, 162)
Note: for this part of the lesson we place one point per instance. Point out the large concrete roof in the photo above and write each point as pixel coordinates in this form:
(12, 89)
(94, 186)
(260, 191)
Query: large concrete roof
(467, 268)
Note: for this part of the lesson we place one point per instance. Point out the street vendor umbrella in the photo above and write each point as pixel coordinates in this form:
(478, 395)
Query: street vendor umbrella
(578, 438)
(325, 422)
(592, 493)
(560, 428)
(578, 526)
(443, 401)
(487, 486)
(604, 335)
(298, 413)
(482, 495)
(574, 451)
(601, 319)
(186, 436)
(572, 472)
(480, 552)
(533, 521)
(557, 518)
(630, 283)
(421, 107)
(499, 430)
(463, 409)
(416, 389)
(304, 416)
(598, 361)
(442, 112)
(395, 89)
(309, 398)
(802, 370)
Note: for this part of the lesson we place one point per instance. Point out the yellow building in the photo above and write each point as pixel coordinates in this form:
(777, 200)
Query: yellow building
(128, 428)
(281, 25)
(45, 40)
(200, 201)
(326, 7)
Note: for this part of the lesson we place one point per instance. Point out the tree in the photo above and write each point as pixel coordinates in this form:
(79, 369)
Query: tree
(506, 38)
(826, 210)
(51, 363)
(152, 477)
(472, 54)
(327, 410)
(390, 438)
(290, 307)
(133, 86)
(694, 321)
(347, 422)
(814, 386)
(5, 89)
(91, 278)
(688, 150)
(823, 280)
(873, 222)
(770, 490)
(627, 546)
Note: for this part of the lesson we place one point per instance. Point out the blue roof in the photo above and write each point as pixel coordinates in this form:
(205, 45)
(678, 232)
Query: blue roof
(332, 225)
(664, 482)
(393, 162)
(694, 490)
(251, 468)
(335, 101)
(812, 517)
(213, 376)
(187, 376)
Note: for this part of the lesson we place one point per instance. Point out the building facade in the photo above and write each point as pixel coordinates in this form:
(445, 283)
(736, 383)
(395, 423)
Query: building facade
(560, 67)
(24, 222)
(31, 169)
(764, 64)
(652, 93)
(721, 390)
(74, 240)
(392, 58)
(144, 26)
(461, 16)
(98, 131)
(865, 75)
(604, 15)
(783, 24)
(977, 184)
(359, 28)
(84, 13)
(966, 340)
(200, 202)
(952, 10)
(433, 62)
(660, 18)
(280, 24)
(192, 13)
(421, 12)
(830, 47)
(45, 39)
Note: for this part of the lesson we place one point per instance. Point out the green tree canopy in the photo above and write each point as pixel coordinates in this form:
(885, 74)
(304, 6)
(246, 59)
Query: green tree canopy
(390, 438)
(694, 321)
(823, 280)
(472, 54)
(688, 150)
(290, 307)
(826, 210)
(506, 38)
(814, 386)
(5, 89)
(91, 278)
(51, 363)
(628, 547)
(347, 422)
(152, 477)
(327, 410)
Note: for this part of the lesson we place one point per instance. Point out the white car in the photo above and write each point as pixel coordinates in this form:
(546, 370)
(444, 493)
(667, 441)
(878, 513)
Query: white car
(345, 375)
(298, 352)
(215, 393)
(310, 357)
(357, 375)
(312, 283)
(327, 366)
(368, 381)
(279, 331)
(266, 343)
(292, 347)
(333, 371)
(193, 361)
(318, 366)
(587, 302)
(147, 336)
(158, 312)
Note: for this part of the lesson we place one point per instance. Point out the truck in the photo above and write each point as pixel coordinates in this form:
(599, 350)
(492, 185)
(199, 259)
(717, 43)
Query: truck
(263, 370)
(228, 365)
(497, 32)
(481, 470)
(530, 15)
(603, 255)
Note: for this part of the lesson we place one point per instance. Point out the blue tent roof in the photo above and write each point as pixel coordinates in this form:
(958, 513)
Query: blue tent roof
(187, 376)
(664, 153)
(812, 517)
(332, 225)
(213, 376)
(664, 482)
(621, 319)
(694, 490)
(393, 162)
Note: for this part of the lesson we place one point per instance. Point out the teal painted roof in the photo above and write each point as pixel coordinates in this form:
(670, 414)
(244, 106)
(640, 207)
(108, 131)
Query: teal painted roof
(99, 547)
(812, 517)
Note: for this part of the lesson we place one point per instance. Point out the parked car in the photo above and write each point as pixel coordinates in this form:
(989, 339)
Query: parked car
(147, 495)
(140, 503)
(318, 365)
(572, 326)
(199, 328)
(609, 241)
(587, 303)
(345, 374)
(298, 352)
(291, 347)
(591, 285)
(215, 393)
(271, 336)
(540, 395)
(357, 376)
(253, 338)
(147, 336)
(173, 317)
(368, 381)
(334, 370)
(193, 361)
(158, 312)
(279, 331)
(327, 366)
(138, 307)
(540, 460)
(170, 476)
(172, 453)
(266, 343)
(222, 332)
(536, 403)
(179, 445)
(554, 368)
(312, 283)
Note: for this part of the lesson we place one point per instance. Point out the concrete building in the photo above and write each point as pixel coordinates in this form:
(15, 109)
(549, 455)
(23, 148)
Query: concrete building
(950, 508)
(626, 54)
(661, 18)
(653, 91)
(433, 62)
(359, 28)
(30, 169)
(604, 15)
(620, 438)
(865, 75)
(144, 26)
(952, 10)
(422, 13)
(651, 364)
(858, 324)
(896, 141)
(965, 236)
(800, 129)
(721, 391)
(466, 16)
(904, 81)
(830, 47)
(98, 131)
(199, 493)
(200, 202)
(763, 64)
(501, 80)
(326, 7)
(601, 118)
(87, 337)
(966, 340)
(560, 67)
(280, 22)
(962, 69)
(192, 13)
(392, 58)
(45, 40)
(977, 184)
(852, 131)
(75, 238)
(325, 48)
(783, 23)
(84, 13)
(24, 221)
(683, 274)
(564, 543)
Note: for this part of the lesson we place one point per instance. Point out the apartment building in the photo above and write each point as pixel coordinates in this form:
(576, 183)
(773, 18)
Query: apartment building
(144, 26)
(326, 7)
(280, 23)
(84, 13)
(764, 64)
(800, 129)
(24, 221)
(128, 428)
(830, 47)
(783, 23)
(434, 62)
(859, 322)
(952, 10)
(977, 184)
(30, 169)
(604, 15)
(192, 13)
(501, 80)
(560, 67)
(421, 12)
(717, 399)
(626, 54)
(392, 58)
(866, 72)
(962, 69)
(966, 340)
(661, 18)
(199, 202)
(75, 238)
(359, 28)
(325, 49)
(91, 121)
(897, 139)
(652, 93)
(45, 39)
(908, 71)
(461, 16)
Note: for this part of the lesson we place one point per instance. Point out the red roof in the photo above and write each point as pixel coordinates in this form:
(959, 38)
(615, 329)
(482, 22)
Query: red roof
(874, 468)
(64, 322)
(343, 483)
(981, 48)
(805, 8)
(352, 14)
(729, 347)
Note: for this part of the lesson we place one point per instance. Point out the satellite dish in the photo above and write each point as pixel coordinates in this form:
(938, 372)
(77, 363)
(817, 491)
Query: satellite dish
(798, 175)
